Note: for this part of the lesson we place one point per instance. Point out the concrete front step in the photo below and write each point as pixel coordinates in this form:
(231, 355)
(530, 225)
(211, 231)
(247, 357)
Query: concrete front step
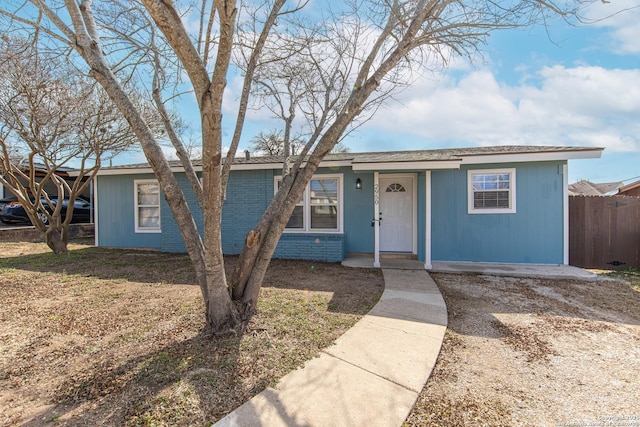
(397, 255)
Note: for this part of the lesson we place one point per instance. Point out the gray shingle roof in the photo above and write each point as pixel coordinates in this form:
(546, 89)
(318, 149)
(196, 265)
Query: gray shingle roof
(398, 156)
(588, 188)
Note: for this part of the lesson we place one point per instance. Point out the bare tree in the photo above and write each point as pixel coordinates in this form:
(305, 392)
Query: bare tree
(53, 118)
(363, 51)
(272, 144)
(340, 147)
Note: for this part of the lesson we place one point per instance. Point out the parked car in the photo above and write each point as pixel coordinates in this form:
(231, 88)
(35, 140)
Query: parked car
(13, 212)
(4, 202)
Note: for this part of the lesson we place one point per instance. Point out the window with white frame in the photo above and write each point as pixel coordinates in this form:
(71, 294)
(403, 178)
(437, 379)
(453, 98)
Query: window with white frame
(320, 208)
(491, 191)
(147, 206)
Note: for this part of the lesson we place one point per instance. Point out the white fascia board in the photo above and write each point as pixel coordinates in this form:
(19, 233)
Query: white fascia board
(396, 166)
(104, 172)
(74, 173)
(532, 157)
(236, 167)
(262, 166)
(136, 171)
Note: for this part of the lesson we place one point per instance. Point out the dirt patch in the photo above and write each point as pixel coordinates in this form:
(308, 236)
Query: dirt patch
(526, 352)
(112, 337)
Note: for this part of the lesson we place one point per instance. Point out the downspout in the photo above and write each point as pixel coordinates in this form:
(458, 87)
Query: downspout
(565, 211)
(94, 206)
(376, 219)
(91, 210)
(427, 239)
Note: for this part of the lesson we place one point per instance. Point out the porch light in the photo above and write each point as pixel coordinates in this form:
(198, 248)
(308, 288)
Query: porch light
(358, 184)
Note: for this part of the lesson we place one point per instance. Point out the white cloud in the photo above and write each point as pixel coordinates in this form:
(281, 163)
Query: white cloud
(590, 106)
(621, 18)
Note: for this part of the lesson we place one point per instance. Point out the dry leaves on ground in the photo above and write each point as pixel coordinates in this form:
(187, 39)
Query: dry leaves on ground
(533, 352)
(112, 337)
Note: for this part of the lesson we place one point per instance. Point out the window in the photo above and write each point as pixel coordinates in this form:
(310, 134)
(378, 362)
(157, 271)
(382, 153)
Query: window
(319, 209)
(492, 191)
(395, 188)
(296, 221)
(147, 206)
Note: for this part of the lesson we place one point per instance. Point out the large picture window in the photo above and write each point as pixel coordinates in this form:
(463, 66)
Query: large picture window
(147, 206)
(320, 208)
(492, 191)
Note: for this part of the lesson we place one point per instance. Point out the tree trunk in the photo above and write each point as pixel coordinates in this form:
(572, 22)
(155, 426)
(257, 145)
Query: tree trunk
(221, 315)
(57, 239)
(261, 242)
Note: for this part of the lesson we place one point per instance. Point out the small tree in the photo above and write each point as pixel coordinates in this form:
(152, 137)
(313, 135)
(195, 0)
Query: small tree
(52, 118)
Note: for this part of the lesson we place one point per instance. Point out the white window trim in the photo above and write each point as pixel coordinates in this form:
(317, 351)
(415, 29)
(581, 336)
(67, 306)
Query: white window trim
(307, 207)
(512, 191)
(139, 229)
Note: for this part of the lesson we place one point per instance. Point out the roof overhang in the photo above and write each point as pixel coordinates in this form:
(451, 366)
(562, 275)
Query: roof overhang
(263, 166)
(533, 157)
(398, 165)
(628, 187)
(140, 170)
(236, 167)
(387, 166)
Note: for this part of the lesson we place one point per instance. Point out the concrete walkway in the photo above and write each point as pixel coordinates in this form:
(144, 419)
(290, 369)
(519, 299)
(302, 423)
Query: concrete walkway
(373, 374)
(545, 271)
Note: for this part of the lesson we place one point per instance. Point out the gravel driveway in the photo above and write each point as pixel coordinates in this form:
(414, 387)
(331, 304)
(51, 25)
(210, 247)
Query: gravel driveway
(531, 352)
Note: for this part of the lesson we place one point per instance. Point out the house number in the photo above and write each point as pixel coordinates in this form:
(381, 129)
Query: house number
(376, 194)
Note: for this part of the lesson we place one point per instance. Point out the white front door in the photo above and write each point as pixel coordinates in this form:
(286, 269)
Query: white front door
(396, 213)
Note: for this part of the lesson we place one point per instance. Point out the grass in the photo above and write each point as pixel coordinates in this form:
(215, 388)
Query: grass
(112, 337)
(630, 275)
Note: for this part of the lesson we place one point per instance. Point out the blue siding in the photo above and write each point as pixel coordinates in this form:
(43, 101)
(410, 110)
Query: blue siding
(534, 234)
(358, 212)
(116, 220)
(172, 240)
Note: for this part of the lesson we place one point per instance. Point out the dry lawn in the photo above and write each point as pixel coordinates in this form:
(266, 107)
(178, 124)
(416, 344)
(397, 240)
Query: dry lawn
(112, 337)
(524, 352)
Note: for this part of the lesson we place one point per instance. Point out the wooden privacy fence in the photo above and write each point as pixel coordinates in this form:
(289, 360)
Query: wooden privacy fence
(604, 232)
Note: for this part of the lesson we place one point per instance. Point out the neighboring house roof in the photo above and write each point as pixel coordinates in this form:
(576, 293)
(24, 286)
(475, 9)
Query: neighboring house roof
(41, 169)
(629, 187)
(396, 160)
(588, 188)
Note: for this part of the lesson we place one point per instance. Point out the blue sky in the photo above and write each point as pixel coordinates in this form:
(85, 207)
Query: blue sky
(570, 86)
(560, 85)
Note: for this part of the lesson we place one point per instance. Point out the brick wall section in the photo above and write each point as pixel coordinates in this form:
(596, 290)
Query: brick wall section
(317, 247)
(248, 195)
